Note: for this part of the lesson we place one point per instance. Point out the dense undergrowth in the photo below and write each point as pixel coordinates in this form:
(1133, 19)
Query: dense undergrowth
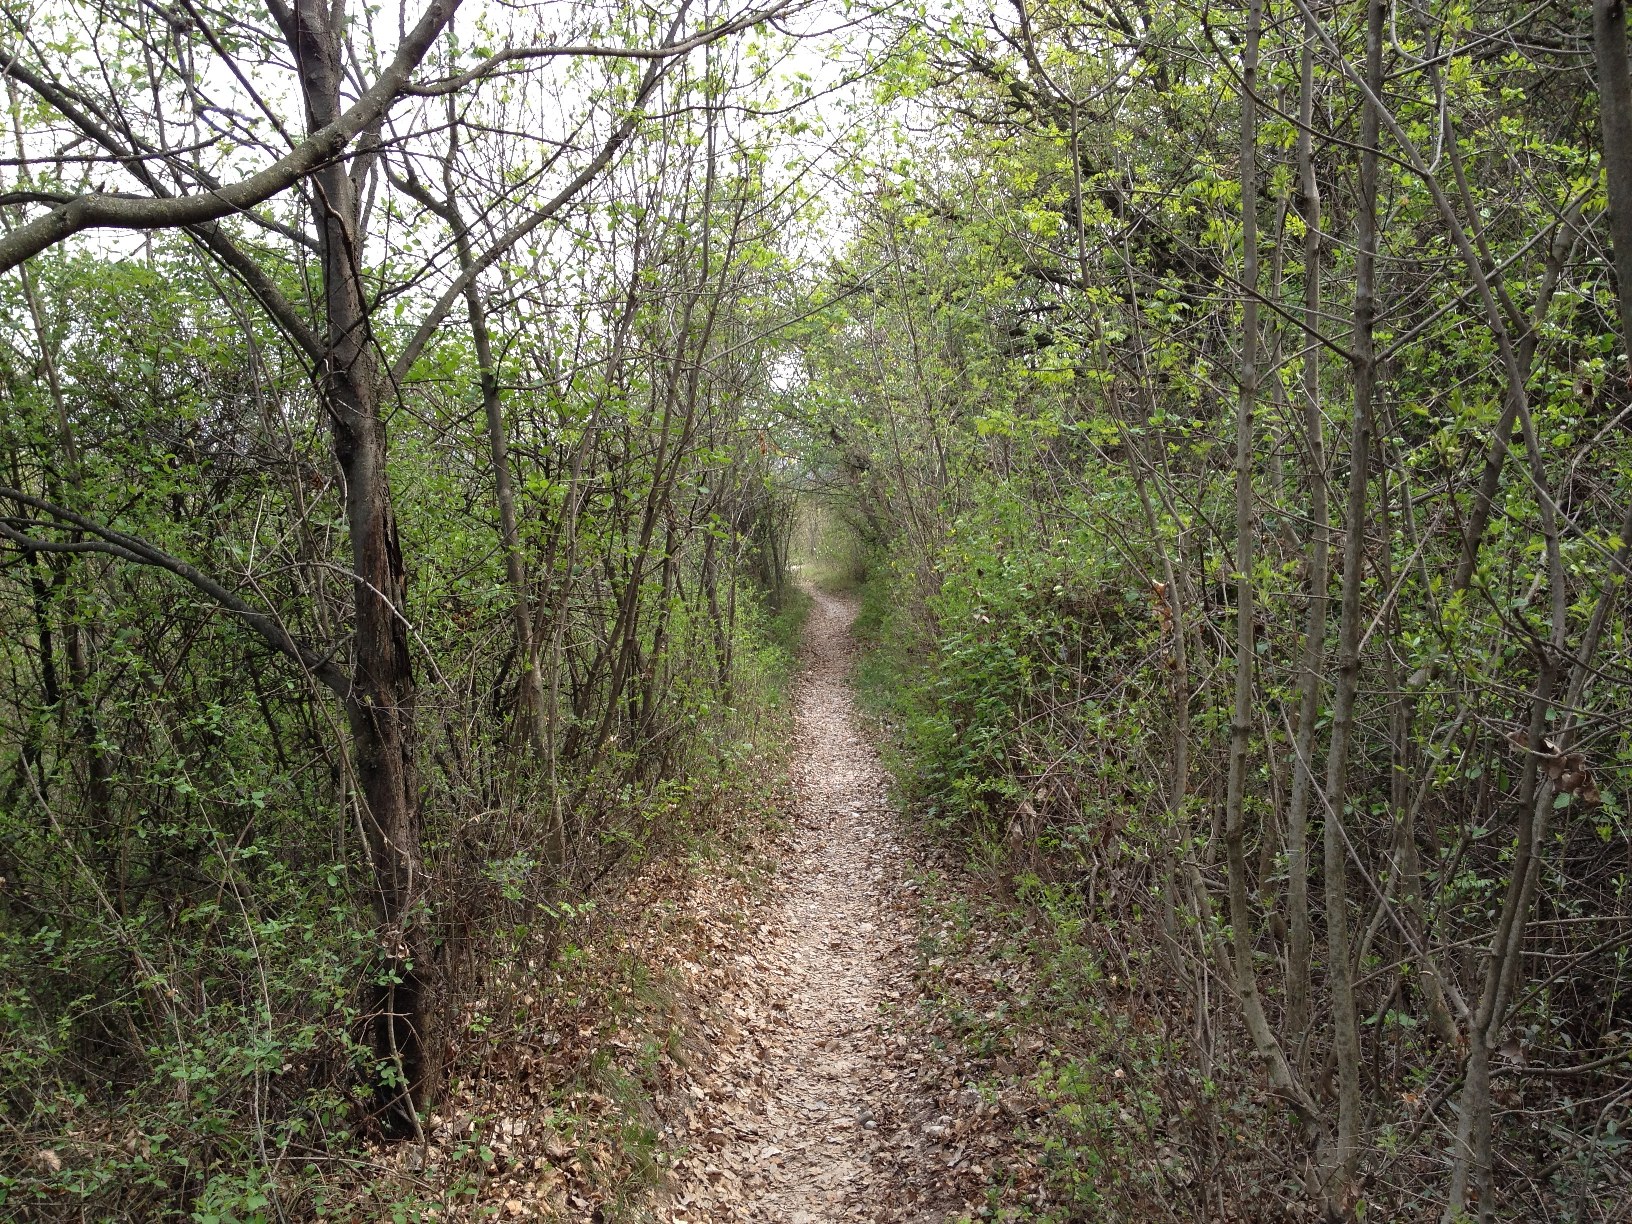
(253, 1105)
(212, 941)
(1231, 410)
(1042, 954)
(1024, 707)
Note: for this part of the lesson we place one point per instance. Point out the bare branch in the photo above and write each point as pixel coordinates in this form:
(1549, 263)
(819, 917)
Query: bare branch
(667, 50)
(101, 210)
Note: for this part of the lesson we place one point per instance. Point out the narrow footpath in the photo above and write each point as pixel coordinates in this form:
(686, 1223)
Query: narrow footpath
(808, 1108)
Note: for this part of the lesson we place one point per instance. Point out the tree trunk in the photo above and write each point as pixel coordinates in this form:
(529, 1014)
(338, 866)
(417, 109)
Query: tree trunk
(535, 706)
(381, 703)
(1314, 639)
(1241, 719)
(1344, 1158)
(1615, 103)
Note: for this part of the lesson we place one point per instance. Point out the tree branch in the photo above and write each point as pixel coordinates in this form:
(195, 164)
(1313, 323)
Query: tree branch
(130, 548)
(100, 210)
(667, 50)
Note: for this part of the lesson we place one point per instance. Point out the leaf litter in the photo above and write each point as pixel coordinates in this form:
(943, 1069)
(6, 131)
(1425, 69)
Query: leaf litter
(813, 1101)
(779, 1067)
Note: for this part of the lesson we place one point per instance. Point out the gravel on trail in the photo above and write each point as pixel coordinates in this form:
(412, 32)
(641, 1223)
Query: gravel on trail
(811, 1106)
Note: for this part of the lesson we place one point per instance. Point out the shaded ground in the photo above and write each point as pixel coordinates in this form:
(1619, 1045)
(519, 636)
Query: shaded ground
(807, 1101)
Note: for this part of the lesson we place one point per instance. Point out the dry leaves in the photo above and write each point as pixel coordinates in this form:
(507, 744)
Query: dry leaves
(796, 1082)
(808, 1107)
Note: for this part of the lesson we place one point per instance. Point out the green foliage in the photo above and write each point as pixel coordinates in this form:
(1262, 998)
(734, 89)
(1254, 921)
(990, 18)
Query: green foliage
(188, 927)
(1024, 624)
(1030, 390)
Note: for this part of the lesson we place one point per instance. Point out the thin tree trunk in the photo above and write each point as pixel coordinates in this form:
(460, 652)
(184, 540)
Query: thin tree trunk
(1241, 719)
(1314, 633)
(1472, 1153)
(535, 704)
(1236, 962)
(1343, 1161)
(515, 565)
(1615, 105)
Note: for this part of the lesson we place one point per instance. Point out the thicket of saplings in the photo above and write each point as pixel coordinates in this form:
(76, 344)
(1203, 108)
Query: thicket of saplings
(1275, 645)
(385, 537)
(189, 946)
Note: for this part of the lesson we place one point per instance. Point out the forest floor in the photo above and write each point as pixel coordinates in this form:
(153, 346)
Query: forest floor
(819, 1101)
(761, 1031)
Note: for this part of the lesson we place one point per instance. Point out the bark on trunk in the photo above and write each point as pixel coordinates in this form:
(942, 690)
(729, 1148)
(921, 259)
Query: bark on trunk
(1314, 640)
(535, 706)
(1240, 907)
(381, 703)
(1343, 1159)
(1615, 104)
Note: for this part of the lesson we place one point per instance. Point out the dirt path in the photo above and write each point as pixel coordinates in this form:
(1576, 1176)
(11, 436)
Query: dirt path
(807, 1108)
